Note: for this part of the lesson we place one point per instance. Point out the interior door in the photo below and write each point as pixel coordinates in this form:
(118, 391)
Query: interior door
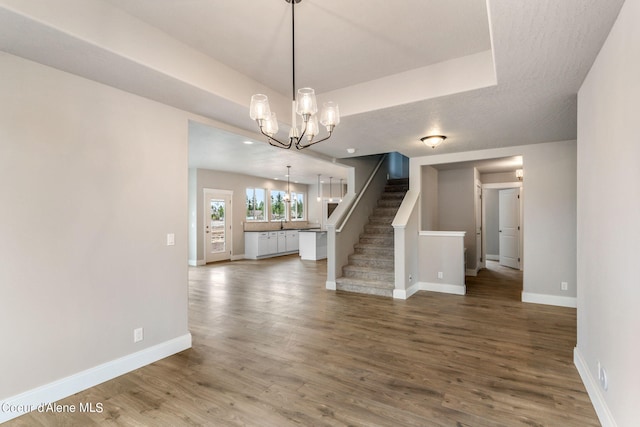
(217, 232)
(478, 207)
(509, 227)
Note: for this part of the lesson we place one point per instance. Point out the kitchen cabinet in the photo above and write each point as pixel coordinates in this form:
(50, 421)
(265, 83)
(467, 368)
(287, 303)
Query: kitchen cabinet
(313, 244)
(292, 244)
(265, 244)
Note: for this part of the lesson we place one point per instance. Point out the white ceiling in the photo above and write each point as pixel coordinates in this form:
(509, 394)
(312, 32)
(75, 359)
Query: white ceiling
(212, 148)
(500, 73)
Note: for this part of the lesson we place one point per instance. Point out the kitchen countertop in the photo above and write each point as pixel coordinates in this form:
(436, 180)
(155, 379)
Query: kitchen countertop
(285, 229)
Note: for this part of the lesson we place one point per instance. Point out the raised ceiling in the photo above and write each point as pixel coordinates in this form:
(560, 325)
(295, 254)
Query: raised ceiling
(486, 74)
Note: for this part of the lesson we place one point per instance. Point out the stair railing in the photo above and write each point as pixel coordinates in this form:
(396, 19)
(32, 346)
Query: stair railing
(348, 220)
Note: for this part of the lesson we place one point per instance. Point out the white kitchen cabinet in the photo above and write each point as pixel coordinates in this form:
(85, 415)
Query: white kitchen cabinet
(265, 244)
(292, 241)
(273, 242)
(313, 245)
(282, 241)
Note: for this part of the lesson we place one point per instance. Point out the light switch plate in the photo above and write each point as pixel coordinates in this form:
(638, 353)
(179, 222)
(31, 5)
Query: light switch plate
(171, 239)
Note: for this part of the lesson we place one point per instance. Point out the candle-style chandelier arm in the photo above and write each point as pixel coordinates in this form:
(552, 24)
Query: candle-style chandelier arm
(300, 146)
(271, 139)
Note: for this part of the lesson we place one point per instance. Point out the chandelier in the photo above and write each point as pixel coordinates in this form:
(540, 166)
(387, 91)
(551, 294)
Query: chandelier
(305, 105)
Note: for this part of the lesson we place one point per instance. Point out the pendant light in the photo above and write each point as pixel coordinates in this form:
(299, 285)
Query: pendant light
(287, 196)
(305, 106)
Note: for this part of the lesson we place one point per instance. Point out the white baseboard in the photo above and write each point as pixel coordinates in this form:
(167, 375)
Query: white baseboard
(237, 257)
(196, 262)
(470, 272)
(591, 384)
(492, 257)
(28, 401)
(446, 288)
(406, 293)
(549, 299)
(331, 285)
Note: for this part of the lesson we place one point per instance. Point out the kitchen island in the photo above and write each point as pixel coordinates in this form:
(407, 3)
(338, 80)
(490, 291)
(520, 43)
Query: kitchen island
(313, 244)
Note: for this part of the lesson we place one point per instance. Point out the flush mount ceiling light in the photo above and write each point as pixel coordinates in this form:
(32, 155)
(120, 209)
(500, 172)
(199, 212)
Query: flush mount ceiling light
(433, 140)
(305, 105)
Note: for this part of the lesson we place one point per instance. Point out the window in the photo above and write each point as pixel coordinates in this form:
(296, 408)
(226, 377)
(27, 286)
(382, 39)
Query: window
(256, 201)
(297, 206)
(278, 208)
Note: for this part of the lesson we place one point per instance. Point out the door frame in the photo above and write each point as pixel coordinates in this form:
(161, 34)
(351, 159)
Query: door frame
(504, 186)
(478, 200)
(509, 226)
(208, 194)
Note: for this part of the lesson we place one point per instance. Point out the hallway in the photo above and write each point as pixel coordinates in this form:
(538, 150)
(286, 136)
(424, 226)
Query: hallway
(496, 282)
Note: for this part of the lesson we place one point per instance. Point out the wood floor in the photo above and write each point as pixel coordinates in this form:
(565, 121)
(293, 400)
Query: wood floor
(272, 347)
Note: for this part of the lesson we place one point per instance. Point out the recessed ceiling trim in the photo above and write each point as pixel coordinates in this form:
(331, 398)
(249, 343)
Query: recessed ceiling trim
(458, 75)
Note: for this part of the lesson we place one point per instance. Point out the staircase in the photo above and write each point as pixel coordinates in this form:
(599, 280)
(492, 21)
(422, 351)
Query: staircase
(370, 269)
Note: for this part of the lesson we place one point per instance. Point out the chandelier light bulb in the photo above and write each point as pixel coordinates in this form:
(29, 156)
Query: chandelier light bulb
(306, 101)
(271, 125)
(330, 116)
(259, 108)
(312, 127)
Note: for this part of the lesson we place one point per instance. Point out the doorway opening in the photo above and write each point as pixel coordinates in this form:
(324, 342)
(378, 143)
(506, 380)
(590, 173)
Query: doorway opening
(502, 224)
(496, 282)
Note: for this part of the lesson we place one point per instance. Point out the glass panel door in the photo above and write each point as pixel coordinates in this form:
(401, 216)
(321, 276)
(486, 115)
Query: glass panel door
(218, 226)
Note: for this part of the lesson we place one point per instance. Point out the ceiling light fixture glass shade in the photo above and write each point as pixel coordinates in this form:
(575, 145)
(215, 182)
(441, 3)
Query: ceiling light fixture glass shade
(433, 140)
(305, 105)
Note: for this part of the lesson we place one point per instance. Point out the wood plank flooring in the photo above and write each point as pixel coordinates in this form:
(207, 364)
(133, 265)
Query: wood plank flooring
(272, 347)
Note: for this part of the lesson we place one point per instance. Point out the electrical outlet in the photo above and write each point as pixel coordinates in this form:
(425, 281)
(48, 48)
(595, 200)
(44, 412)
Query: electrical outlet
(138, 334)
(564, 286)
(604, 381)
(440, 275)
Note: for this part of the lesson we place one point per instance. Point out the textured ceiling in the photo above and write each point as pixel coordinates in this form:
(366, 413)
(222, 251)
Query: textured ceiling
(494, 74)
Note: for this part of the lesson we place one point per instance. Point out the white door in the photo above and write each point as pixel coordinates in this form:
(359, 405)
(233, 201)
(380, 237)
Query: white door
(217, 230)
(509, 227)
(478, 207)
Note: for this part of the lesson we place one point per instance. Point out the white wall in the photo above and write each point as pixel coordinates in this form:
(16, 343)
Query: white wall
(608, 223)
(549, 214)
(456, 209)
(550, 223)
(498, 177)
(429, 199)
(92, 180)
